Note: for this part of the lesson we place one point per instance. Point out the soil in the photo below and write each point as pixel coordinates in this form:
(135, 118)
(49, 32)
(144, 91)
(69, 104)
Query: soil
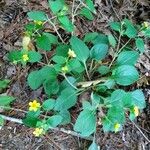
(18, 137)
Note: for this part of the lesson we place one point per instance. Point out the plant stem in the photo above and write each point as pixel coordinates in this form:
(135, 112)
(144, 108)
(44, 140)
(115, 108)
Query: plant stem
(69, 132)
(91, 65)
(86, 70)
(13, 109)
(11, 119)
(49, 20)
(69, 82)
(116, 54)
(86, 6)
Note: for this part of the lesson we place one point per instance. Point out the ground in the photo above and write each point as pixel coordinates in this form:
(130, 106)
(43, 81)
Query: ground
(17, 137)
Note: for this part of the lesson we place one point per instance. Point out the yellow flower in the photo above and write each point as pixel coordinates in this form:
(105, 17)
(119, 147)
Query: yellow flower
(38, 131)
(25, 57)
(71, 53)
(25, 42)
(145, 24)
(116, 127)
(64, 69)
(136, 111)
(34, 106)
(38, 22)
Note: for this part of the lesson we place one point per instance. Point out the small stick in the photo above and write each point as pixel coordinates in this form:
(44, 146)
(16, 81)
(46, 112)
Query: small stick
(90, 138)
(141, 132)
(11, 119)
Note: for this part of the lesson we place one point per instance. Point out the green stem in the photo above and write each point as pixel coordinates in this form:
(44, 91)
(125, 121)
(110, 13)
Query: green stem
(86, 70)
(50, 22)
(69, 82)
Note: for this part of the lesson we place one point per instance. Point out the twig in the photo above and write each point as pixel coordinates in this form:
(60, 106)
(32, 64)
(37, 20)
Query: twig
(119, 50)
(90, 138)
(141, 131)
(111, 4)
(49, 20)
(49, 139)
(119, 40)
(13, 109)
(11, 119)
(73, 11)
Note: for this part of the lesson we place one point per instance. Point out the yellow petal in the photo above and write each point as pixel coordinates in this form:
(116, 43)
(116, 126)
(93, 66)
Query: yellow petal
(30, 103)
(71, 53)
(116, 127)
(136, 111)
(30, 109)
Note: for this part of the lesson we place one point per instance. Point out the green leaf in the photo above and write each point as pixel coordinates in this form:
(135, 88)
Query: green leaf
(107, 125)
(30, 27)
(65, 84)
(76, 66)
(94, 146)
(1, 121)
(51, 86)
(48, 104)
(34, 56)
(4, 83)
(62, 50)
(66, 23)
(147, 33)
(31, 119)
(116, 98)
(66, 100)
(125, 75)
(112, 40)
(80, 49)
(96, 100)
(85, 123)
(59, 59)
(6, 100)
(90, 5)
(115, 26)
(140, 44)
(87, 106)
(43, 43)
(54, 121)
(90, 36)
(37, 15)
(130, 31)
(110, 83)
(138, 99)
(56, 5)
(34, 80)
(103, 70)
(127, 100)
(99, 51)
(101, 39)
(48, 73)
(66, 118)
(114, 115)
(15, 55)
(132, 116)
(52, 38)
(86, 13)
(127, 58)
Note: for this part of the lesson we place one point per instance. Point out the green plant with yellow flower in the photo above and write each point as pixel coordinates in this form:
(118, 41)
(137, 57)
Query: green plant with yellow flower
(81, 65)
